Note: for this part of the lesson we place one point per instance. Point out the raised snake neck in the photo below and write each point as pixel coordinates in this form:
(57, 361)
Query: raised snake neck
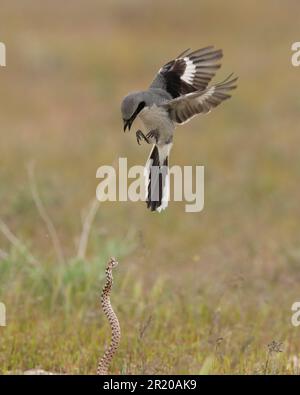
(108, 355)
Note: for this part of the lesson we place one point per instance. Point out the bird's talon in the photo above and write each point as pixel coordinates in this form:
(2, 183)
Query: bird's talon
(152, 134)
(139, 136)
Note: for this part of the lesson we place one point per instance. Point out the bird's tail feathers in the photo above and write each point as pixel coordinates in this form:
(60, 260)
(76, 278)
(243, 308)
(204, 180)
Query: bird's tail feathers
(157, 178)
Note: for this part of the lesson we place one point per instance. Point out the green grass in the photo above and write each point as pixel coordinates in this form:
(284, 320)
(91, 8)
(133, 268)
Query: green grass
(55, 321)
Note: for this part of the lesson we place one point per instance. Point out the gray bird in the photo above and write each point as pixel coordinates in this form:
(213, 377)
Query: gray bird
(179, 92)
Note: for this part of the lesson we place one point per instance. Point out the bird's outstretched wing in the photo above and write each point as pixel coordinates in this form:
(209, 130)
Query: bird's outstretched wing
(189, 72)
(185, 107)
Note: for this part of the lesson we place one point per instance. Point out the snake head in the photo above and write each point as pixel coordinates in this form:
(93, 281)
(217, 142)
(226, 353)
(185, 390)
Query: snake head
(112, 263)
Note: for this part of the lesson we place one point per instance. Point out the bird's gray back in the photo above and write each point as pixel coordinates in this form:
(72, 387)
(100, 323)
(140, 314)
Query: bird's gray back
(156, 96)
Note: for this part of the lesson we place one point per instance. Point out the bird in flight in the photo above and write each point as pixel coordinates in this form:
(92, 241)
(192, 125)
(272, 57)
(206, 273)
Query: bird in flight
(179, 92)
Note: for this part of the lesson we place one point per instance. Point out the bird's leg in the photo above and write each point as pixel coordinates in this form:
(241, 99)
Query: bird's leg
(153, 134)
(139, 136)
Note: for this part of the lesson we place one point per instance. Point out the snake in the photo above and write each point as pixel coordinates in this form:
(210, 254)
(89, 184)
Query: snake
(105, 361)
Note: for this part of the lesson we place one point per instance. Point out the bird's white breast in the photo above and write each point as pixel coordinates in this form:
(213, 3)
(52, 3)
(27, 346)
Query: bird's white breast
(156, 118)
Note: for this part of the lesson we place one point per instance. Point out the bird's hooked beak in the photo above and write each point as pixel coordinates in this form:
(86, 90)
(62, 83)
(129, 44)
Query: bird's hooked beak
(128, 123)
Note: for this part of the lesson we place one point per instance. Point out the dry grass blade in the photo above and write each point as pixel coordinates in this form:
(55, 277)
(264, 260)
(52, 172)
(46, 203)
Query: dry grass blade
(87, 224)
(44, 215)
(86, 229)
(16, 242)
(3, 254)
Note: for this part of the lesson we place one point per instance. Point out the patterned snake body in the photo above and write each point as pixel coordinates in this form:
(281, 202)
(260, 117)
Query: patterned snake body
(105, 361)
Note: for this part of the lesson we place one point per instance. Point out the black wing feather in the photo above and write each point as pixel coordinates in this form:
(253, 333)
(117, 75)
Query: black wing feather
(189, 72)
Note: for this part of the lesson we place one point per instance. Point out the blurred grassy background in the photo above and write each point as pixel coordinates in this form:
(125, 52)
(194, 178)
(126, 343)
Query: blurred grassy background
(211, 289)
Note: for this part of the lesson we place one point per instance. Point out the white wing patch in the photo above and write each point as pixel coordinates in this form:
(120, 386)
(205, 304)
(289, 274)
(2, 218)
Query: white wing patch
(189, 72)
